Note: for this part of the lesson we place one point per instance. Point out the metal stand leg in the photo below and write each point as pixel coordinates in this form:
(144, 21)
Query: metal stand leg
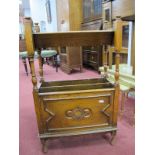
(30, 66)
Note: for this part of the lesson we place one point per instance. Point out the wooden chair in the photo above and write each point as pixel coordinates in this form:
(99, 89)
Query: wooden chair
(23, 53)
(45, 54)
(24, 56)
(126, 80)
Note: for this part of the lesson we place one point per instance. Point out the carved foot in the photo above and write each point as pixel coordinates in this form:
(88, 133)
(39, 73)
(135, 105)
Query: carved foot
(44, 145)
(112, 140)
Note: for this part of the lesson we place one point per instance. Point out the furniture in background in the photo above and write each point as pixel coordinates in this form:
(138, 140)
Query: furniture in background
(69, 20)
(92, 10)
(92, 55)
(124, 41)
(69, 108)
(70, 58)
(69, 15)
(49, 55)
(107, 14)
(126, 80)
(24, 56)
(36, 27)
(23, 53)
(126, 10)
(92, 20)
(45, 54)
(123, 8)
(108, 23)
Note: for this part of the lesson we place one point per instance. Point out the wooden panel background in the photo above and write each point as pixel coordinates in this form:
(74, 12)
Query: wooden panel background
(123, 8)
(62, 12)
(71, 12)
(75, 14)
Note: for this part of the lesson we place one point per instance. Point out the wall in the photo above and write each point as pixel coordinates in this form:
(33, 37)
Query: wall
(69, 11)
(63, 15)
(38, 13)
(27, 12)
(53, 25)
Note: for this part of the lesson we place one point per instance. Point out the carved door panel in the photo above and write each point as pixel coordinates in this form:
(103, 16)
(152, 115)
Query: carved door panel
(77, 112)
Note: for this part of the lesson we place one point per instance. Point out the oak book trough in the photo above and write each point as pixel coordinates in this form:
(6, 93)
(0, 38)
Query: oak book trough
(68, 108)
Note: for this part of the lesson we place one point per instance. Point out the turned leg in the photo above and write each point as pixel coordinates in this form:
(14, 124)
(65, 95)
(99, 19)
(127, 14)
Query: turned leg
(44, 145)
(25, 65)
(122, 104)
(48, 61)
(113, 135)
(30, 66)
(40, 59)
(55, 62)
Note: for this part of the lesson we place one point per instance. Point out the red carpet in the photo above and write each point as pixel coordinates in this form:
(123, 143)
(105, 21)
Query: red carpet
(80, 145)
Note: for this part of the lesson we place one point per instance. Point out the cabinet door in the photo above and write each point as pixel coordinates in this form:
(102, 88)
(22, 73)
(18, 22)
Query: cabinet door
(107, 15)
(72, 113)
(86, 9)
(97, 7)
(92, 9)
